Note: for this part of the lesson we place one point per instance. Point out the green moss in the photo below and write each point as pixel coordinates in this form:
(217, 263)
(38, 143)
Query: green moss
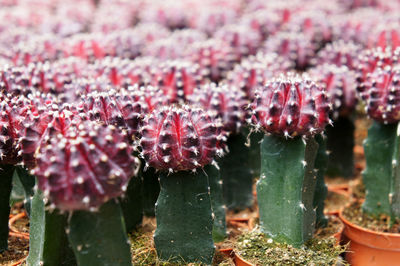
(257, 248)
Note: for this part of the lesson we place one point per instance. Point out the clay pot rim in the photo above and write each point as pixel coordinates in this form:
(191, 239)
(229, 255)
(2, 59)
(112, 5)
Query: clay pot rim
(366, 230)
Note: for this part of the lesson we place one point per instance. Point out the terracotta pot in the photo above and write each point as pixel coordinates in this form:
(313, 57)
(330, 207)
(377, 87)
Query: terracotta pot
(239, 261)
(341, 192)
(367, 247)
(341, 187)
(338, 235)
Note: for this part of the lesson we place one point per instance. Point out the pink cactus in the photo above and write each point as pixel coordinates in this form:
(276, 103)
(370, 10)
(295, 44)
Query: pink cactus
(178, 139)
(84, 166)
(290, 106)
(228, 102)
(381, 94)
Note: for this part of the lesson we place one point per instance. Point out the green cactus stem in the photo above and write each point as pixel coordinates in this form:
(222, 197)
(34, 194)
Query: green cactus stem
(253, 139)
(151, 190)
(321, 190)
(236, 174)
(184, 218)
(28, 183)
(396, 175)
(48, 243)
(99, 237)
(217, 203)
(382, 163)
(286, 188)
(131, 204)
(6, 175)
(340, 144)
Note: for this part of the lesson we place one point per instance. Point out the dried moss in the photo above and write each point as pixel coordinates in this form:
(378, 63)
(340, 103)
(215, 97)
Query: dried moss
(261, 250)
(144, 253)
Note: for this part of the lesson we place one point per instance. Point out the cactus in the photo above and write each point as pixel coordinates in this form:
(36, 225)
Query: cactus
(48, 243)
(150, 190)
(341, 86)
(380, 92)
(99, 238)
(321, 191)
(79, 170)
(290, 110)
(6, 174)
(237, 174)
(132, 203)
(217, 202)
(229, 104)
(177, 141)
(184, 218)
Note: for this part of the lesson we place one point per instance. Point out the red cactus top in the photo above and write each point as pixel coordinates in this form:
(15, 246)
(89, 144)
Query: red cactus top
(227, 101)
(381, 93)
(178, 139)
(85, 166)
(290, 106)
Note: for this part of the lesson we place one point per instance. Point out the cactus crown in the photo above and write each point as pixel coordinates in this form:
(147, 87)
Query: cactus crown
(227, 101)
(381, 93)
(290, 106)
(84, 166)
(340, 84)
(177, 139)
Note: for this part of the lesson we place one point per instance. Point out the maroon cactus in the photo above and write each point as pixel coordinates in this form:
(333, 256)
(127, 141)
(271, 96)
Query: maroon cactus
(42, 123)
(254, 71)
(44, 77)
(290, 106)
(313, 24)
(385, 35)
(11, 118)
(242, 38)
(177, 139)
(294, 46)
(113, 108)
(177, 78)
(340, 84)
(164, 49)
(214, 57)
(210, 20)
(340, 53)
(84, 166)
(227, 101)
(264, 21)
(373, 59)
(381, 94)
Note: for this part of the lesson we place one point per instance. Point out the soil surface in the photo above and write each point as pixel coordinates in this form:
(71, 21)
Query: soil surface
(255, 247)
(334, 226)
(355, 215)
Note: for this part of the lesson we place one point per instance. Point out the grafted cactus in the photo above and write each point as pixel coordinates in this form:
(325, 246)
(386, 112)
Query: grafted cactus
(82, 170)
(177, 141)
(381, 176)
(340, 84)
(229, 104)
(290, 110)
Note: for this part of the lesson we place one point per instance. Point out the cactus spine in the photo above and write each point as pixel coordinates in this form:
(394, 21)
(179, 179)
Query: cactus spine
(286, 187)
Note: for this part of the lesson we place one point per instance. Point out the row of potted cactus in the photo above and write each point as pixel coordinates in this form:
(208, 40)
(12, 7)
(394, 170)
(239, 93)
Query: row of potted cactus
(103, 122)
